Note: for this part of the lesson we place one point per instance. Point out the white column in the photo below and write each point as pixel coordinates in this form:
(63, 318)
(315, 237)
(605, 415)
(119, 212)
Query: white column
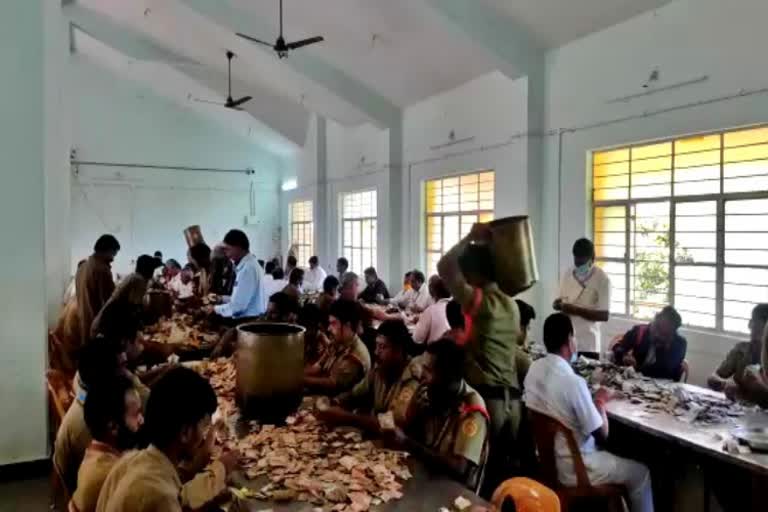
(25, 57)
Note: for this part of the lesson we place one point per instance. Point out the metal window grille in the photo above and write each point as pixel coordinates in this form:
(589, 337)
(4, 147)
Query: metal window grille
(685, 222)
(359, 224)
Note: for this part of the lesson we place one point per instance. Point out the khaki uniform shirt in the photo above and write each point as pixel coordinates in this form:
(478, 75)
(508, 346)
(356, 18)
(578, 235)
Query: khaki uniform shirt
(348, 364)
(72, 440)
(737, 360)
(378, 395)
(461, 431)
(142, 481)
(94, 285)
(97, 463)
(493, 344)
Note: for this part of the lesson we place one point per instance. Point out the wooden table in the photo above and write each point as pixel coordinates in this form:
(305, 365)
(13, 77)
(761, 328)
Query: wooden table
(704, 439)
(424, 492)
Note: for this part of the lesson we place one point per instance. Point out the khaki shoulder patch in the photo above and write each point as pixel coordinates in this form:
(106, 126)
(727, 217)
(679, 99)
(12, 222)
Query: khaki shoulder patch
(469, 427)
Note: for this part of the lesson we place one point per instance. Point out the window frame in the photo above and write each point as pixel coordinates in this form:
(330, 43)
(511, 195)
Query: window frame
(427, 215)
(720, 199)
(344, 247)
(309, 247)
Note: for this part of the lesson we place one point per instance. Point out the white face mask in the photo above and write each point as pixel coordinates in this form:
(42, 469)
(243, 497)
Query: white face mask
(574, 352)
(583, 270)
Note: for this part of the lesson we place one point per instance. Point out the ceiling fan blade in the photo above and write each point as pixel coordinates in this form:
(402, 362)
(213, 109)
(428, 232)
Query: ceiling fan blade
(198, 100)
(305, 42)
(254, 40)
(237, 103)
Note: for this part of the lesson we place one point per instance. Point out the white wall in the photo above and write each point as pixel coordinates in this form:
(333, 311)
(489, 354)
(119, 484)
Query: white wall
(147, 209)
(29, 43)
(685, 40)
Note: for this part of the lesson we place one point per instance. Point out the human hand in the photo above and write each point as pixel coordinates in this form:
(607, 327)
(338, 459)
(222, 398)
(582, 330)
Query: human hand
(731, 390)
(602, 397)
(557, 305)
(231, 460)
(629, 360)
(480, 232)
(395, 437)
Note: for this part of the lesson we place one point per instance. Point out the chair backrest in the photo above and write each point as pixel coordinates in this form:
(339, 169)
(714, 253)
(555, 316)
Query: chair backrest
(685, 370)
(527, 496)
(545, 430)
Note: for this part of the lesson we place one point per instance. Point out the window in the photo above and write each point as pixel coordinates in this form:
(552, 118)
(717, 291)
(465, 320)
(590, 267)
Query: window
(358, 228)
(452, 206)
(302, 230)
(685, 222)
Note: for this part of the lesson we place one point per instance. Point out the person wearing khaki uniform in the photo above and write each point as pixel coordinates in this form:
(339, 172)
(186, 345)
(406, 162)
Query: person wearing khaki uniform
(94, 283)
(492, 340)
(449, 426)
(346, 361)
(178, 427)
(383, 399)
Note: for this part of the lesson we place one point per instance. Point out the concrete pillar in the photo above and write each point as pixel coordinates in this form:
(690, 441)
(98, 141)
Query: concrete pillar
(322, 208)
(398, 224)
(27, 50)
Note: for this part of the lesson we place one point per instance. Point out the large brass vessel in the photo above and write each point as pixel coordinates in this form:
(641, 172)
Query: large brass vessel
(270, 369)
(514, 254)
(193, 235)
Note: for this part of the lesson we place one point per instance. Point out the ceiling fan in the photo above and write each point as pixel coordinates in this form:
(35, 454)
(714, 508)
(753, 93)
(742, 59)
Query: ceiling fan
(230, 103)
(280, 46)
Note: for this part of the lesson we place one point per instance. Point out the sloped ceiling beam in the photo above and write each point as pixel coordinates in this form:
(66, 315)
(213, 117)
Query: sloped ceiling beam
(284, 117)
(500, 35)
(381, 111)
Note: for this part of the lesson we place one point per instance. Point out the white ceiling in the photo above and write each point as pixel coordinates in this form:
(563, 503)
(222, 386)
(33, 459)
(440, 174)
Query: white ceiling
(553, 23)
(385, 53)
(401, 49)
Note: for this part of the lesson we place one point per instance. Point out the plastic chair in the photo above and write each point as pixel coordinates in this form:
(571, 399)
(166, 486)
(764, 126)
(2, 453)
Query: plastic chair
(527, 495)
(545, 429)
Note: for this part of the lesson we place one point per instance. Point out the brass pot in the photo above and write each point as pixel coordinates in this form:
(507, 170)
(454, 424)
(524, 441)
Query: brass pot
(193, 235)
(269, 362)
(514, 254)
(159, 303)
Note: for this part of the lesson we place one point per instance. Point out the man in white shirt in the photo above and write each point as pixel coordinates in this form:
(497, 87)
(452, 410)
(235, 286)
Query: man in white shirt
(404, 296)
(585, 296)
(421, 299)
(314, 277)
(553, 388)
(433, 322)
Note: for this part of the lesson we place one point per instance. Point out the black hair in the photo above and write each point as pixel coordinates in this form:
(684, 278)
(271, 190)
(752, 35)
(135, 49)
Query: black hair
(671, 314)
(172, 263)
(269, 267)
(343, 261)
(261, 263)
(407, 275)
(180, 399)
(291, 260)
(418, 275)
(478, 259)
(760, 312)
(146, 265)
(584, 248)
(448, 358)
(527, 313)
(397, 334)
(278, 273)
(346, 312)
(313, 260)
(99, 361)
(285, 303)
(237, 238)
(310, 316)
(158, 254)
(297, 275)
(330, 283)
(201, 255)
(557, 331)
(439, 288)
(105, 404)
(454, 315)
(106, 243)
(370, 271)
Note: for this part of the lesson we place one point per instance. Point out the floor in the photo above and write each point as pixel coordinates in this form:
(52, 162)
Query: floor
(24, 495)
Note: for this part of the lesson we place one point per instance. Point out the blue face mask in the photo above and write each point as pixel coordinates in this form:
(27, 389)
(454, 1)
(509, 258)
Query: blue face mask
(574, 357)
(583, 270)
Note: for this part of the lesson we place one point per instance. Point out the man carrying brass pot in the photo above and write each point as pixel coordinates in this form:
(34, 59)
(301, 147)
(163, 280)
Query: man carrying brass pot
(491, 341)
